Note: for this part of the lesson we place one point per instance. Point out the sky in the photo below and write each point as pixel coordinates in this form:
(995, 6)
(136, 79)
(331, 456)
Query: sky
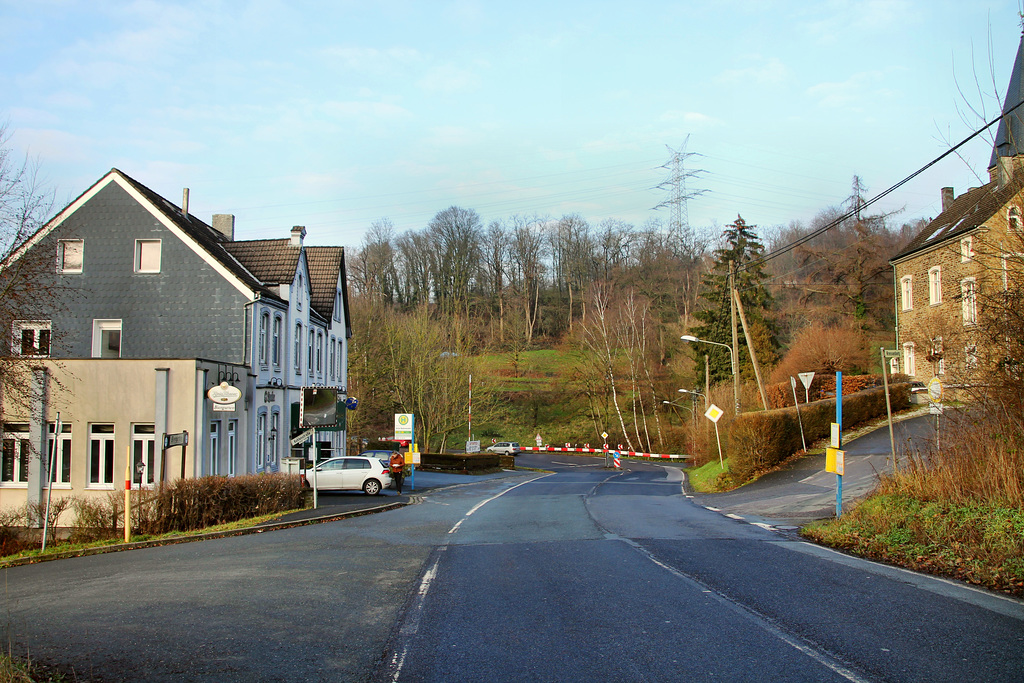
(334, 115)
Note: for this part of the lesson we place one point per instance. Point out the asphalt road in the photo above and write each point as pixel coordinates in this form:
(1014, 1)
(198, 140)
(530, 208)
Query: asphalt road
(581, 575)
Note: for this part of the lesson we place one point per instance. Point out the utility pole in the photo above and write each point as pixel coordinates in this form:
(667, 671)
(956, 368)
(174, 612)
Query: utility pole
(750, 347)
(735, 338)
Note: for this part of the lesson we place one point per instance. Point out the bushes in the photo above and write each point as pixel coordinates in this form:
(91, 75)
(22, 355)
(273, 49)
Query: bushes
(476, 462)
(758, 441)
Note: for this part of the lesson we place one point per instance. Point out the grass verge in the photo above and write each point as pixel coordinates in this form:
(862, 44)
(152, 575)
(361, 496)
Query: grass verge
(975, 542)
(16, 670)
(60, 548)
(708, 478)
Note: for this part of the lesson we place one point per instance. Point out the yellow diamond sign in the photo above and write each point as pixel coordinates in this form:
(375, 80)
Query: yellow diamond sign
(714, 413)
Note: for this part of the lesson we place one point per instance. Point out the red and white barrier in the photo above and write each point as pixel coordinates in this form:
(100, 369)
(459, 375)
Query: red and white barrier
(620, 451)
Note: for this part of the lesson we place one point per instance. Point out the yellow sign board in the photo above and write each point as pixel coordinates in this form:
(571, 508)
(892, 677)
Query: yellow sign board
(835, 461)
(714, 413)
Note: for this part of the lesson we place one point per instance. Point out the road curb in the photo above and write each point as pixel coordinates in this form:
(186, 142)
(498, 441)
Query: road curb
(259, 529)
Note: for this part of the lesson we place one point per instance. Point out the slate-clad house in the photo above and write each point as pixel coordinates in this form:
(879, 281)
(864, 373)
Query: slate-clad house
(160, 308)
(971, 250)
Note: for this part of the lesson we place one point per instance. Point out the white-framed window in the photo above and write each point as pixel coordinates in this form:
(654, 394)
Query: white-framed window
(147, 256)
(232, 446)
(298, 348)
(940, 361)
(966, 249)
(275, 344)
(935, 285)
(31, 338)
(909, 365)
(106, 338)
(320, 353)
(907, 292)
(971, 357)
(261, 435)
(101, 456)
(16, 451)
(1013, 219)
(264, 333)
(310, 351)
(1013, 264)
(275, 435)
(70, 256)
(143, 455)
(969, 300)
(337, 305)
(61, 458)
(215, 447)
(300, 293)
(334, 358)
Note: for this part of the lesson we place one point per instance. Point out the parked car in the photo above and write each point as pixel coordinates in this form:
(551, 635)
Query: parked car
(352, 473)
(505, 448)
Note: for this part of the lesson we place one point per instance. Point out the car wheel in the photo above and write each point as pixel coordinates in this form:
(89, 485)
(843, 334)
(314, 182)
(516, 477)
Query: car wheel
(371, 487)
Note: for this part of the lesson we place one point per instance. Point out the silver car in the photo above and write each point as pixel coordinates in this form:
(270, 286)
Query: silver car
(505, 447)
(351, 473)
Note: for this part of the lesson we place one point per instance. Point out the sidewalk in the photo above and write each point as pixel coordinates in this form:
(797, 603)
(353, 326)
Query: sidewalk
(804, 491)
(331, 506)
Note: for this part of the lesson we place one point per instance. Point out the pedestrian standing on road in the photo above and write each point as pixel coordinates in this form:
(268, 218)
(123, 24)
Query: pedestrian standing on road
(397, 464)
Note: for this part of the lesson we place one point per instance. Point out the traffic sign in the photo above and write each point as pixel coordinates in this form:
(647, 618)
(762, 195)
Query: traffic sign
(714, 413)
(404, 426)
(935, 389)
(806, 378)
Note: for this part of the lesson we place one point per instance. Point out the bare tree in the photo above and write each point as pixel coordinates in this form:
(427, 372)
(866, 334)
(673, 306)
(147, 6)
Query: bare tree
(29, 287)
(456, 234)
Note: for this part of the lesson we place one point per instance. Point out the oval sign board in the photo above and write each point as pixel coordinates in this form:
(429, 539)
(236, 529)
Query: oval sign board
(935, 389)
(224, 393)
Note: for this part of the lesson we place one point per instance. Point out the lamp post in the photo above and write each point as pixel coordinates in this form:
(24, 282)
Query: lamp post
(695, 393)
(732, 359)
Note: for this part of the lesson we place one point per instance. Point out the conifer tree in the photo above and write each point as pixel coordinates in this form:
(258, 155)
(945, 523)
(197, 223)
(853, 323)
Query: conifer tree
(741, 246)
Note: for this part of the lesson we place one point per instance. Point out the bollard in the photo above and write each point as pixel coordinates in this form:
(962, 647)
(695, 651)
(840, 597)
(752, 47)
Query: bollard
(617, 461)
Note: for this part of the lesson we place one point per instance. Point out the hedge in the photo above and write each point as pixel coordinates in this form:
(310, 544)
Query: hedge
(758, 441)
(459, 462)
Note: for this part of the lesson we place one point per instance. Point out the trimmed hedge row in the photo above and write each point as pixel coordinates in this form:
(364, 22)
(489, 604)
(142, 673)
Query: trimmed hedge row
(459, 462)
(758, 441)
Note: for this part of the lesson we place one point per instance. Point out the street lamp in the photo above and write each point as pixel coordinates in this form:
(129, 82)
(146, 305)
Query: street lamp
(695, 393)
(732, 359)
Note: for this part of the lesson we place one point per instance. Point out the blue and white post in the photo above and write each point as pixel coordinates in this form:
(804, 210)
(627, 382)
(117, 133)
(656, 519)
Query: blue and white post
(839, 445)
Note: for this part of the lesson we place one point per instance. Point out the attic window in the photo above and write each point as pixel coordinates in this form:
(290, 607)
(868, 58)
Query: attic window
(69, 256)
(966, 249)
(147, 256)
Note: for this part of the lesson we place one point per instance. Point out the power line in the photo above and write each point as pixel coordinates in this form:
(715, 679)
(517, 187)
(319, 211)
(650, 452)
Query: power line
(849, 214)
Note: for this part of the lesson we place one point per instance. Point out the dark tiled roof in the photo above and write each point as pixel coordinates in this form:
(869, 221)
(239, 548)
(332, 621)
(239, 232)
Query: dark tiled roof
(209, 239)
(967, 212)
(325, 264)
(272, 261)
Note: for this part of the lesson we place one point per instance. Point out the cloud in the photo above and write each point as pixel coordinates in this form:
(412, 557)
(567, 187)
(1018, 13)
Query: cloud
(855, 89)
(760, 72)
(692, 119)
(55, 146)
(366, 112)
(448, 79)
(864, 17)
(453, 136)
(370, 59)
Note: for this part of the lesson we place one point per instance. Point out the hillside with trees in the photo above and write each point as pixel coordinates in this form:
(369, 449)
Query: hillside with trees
(465, 296)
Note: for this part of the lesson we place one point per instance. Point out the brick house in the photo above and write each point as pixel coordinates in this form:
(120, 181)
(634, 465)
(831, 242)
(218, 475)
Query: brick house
(971, 251)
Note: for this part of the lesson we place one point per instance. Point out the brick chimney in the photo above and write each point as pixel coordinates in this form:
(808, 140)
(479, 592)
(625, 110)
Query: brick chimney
(224, 223)
(298, 232)
(947, 198)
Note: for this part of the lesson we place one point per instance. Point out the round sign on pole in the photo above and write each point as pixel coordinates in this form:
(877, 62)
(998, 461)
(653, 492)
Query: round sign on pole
(935, 389)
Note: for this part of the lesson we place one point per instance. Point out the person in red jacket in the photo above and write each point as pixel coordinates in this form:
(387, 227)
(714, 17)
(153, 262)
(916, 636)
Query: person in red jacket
(397, 466)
